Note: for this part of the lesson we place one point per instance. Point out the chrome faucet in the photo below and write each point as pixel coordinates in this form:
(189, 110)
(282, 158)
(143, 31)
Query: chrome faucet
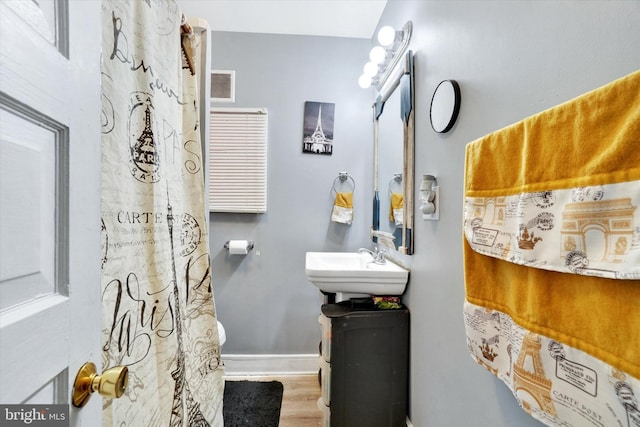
(377, 255)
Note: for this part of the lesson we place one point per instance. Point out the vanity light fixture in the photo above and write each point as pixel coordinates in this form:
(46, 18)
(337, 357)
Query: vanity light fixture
(387, 36)
(370, 69)
(378, 55)
(383, 58)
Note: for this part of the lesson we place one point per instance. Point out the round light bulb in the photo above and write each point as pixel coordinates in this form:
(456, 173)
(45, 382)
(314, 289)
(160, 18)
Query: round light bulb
(370, 69)
(364, 81)
(377, 55)
(386, 36)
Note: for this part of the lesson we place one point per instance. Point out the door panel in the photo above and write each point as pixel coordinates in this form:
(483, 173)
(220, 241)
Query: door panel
(34, 347)
(49, 200)
(33, 70)
(28, 200)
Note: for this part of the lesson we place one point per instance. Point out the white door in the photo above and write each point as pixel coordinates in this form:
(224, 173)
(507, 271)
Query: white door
(49, 200)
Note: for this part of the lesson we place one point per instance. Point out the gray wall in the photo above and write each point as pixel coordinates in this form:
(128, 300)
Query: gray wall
(512, 59)
(264, 299)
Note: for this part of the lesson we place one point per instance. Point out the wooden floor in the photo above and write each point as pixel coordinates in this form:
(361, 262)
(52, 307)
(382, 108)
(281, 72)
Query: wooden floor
(299, 400)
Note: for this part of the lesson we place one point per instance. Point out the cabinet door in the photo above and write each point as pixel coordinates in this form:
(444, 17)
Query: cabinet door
(369, 369)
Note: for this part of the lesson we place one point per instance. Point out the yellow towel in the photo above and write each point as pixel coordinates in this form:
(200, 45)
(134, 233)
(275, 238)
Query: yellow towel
(395, 208)
(343, 208)
(593, 140)
(598, 316)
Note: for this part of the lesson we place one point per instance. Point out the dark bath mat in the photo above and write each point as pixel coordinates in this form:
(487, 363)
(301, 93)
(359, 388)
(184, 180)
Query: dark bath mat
(252, 403)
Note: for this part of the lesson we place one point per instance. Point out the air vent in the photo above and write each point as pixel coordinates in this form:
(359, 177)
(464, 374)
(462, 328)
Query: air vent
(223, 86)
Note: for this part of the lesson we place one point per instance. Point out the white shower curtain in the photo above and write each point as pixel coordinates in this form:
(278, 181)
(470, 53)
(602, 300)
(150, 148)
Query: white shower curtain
(157, 300)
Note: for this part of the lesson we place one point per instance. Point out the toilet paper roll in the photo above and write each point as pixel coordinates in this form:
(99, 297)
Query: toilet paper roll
(238, 247)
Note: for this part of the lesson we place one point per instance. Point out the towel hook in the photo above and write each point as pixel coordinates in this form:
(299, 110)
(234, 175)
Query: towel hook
(397, 178)
(341, 179)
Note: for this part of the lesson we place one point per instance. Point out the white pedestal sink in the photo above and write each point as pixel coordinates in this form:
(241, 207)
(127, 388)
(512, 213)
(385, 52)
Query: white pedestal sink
(354, 273)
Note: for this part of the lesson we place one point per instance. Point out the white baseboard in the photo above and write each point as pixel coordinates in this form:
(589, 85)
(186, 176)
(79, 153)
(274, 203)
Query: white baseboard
(270, 364)
(409, 423)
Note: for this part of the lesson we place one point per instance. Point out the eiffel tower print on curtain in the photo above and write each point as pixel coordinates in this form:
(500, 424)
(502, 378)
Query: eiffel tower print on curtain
(183, 402)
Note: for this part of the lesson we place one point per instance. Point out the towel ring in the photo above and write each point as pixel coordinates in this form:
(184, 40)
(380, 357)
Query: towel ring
(342, 177)
(397, 178)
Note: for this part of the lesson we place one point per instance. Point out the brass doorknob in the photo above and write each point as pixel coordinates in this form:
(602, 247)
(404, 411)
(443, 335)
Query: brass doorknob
(111, 384)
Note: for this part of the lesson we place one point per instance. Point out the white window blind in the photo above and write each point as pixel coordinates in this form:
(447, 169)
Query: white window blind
(238, 160)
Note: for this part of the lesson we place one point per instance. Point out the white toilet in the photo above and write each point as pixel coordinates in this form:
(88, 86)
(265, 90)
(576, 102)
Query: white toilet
(221, 334)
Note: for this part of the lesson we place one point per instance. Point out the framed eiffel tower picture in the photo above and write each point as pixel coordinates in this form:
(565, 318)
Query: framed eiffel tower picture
(318, 127)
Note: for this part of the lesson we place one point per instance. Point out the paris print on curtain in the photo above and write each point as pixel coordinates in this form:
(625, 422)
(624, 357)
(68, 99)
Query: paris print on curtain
(157, 302)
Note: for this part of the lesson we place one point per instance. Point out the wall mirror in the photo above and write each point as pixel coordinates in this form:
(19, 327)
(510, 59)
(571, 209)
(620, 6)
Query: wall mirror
(445, 105)
(393, 121)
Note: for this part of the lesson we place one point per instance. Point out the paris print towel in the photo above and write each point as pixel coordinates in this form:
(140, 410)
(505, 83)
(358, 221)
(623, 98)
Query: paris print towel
(342, 211)
(552, 257)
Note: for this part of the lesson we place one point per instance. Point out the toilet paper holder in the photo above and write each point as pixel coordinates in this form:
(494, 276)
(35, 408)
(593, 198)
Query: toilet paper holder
(249, 245)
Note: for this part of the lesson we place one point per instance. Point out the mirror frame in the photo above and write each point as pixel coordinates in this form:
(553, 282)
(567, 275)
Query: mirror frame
(395, 80)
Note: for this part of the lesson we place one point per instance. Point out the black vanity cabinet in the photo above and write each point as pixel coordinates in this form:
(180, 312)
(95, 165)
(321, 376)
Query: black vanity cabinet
(364, 366)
